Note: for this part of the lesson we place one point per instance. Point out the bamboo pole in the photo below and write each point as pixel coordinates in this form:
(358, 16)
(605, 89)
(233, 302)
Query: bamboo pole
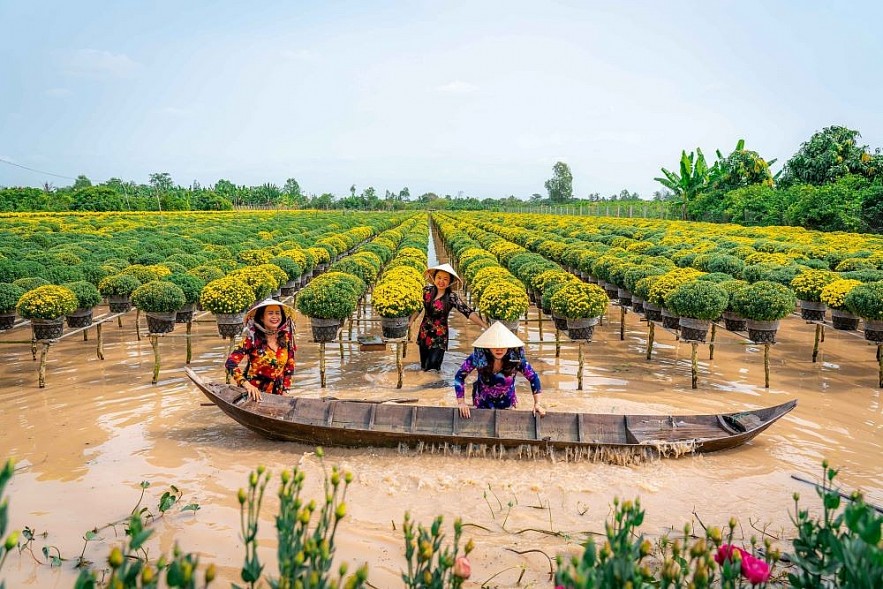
(229, 350)
(766, 366)
(189, 342)
(41, 374)
(815, 347)
(711, 343)
(120, 321)
(823, 332)
(579, 369)
(399, 364)
(622, 314)
(340, 342)
(694, 365)
(322, 364)
(99, 348)
(540, 314)
(650, 336)
(557, 343)
(154, 343)
(880, 364)
(34, 348)
(137, 326)
(85, 335)
(405, 344)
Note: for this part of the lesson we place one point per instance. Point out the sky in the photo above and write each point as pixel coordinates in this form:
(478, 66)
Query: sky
(467, 98)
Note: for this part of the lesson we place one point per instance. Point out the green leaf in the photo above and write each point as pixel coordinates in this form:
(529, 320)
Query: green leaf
(191, 507)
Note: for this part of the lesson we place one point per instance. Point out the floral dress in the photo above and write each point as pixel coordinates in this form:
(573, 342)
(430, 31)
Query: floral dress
(434, 327)
(494, 390)
(267, 370)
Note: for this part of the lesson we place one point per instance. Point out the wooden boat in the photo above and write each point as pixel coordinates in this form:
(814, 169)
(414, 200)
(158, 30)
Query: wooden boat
(617, 438)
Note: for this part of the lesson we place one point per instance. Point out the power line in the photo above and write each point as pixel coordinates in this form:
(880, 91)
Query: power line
(35, 170)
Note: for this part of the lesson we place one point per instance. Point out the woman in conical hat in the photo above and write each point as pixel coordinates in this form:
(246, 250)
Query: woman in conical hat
(438, 299)
(268, 345)
(498, 356)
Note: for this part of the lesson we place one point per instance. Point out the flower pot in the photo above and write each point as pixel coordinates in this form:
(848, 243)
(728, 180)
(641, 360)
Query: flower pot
(812, 310)
(844, 320)
(694, 330)
(185, 313)
(47, 328)
(625, 297)
(290, 287)
(734, 322)
(582, 328)
(119, 303)
(7, 320)
(669, 319)
(161, 321)
(394, 327)
(510, 325)
(874, 330)
(591, 279)
(229, 324)
(611, 289)
(637, 304)
(320, 269)
(82, 317)
(547, 310)
(324, 330)
(560, 323)
(762, 332)
(652, 312)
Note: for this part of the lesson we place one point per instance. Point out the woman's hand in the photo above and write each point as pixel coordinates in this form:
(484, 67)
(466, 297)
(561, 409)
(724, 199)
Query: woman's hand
(254, 393)
(464, 409)
(537, 406)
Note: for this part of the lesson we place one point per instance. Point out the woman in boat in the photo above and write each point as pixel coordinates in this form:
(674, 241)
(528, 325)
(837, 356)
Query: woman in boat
(497, 357)
(268, 348)
(439, 298)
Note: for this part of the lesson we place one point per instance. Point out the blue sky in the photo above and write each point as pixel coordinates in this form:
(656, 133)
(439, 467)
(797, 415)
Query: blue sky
(474, 97)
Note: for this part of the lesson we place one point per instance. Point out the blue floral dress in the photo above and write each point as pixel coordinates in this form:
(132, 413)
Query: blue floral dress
(495, 390)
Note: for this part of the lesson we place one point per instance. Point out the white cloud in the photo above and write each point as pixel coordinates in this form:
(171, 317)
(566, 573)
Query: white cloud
(101, 64)
(457, 87)
(299, 54)
(58, 92)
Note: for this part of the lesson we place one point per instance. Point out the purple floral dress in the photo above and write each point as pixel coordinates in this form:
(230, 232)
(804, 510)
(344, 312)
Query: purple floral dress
(495, 390)
(434, 327)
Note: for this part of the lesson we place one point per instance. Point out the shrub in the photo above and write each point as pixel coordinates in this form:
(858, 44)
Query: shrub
(146, 273)
(725, 263)
(159, 296)
(206, 272)
(292, 269)
(9, 295)
(662, 285)
(504, 300)
(227, 295)
(808, 285)
(834, 294)
(330, 299)
(851, 264)
(30, 282)
(764, 301)
(698, 299)
(866, 300)
(87, 295)
(191, 285)
(731, 286)
(118, 285)
(397, 298)
(47, 302)
(262, 283)
(579, 300)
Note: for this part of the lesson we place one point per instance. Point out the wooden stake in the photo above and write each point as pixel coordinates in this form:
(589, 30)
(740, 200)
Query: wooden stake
(154, 343)
(120, 321)
(822, 325)
(711, 343)
(650, 337)
(340, 340)
(557, 343)
(229, 350)
(399, 364)
(189, 342)
(85, 335)
(880, 364)
(99, 348)
(622, 313)
(322, 364)
(34, 348)
(815, 347)
(579, 369)
(694, 365)
(540, 314)
(137, 326)
(41, 375)
(766, 366)
(405, 344)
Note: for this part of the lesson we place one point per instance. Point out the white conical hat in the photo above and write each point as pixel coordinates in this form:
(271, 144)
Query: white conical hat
(289, 312)
(456, 281)
(497, 336)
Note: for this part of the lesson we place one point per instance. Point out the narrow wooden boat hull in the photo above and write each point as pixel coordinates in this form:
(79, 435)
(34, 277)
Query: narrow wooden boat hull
(335, 422)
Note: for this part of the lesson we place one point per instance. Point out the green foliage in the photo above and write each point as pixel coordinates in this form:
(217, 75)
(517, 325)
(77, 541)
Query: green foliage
(47, 302)
(693, 179)
(866, 301)
(829, 155)
(699, 299)
(30, 283)
(189, 284)
(740, 169)
(9, 295)
(431, 565)
(86, 293)
(842, 548)
(577, 300)
(10, 541)
(159, 296)
(118, 285)
(560, 185)
(333, 297)
(764, 301)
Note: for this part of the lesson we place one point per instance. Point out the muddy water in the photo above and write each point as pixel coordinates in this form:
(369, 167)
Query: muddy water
(85, 442)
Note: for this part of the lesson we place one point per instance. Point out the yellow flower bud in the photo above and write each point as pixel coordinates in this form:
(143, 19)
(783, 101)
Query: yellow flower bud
(115, 560)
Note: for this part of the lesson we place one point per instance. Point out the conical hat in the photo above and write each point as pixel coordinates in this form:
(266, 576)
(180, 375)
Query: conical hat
(289, 312)
(497, 336)
(456, 281)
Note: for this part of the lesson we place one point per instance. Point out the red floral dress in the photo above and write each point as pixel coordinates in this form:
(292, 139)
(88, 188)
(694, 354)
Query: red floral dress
(268, 370)
(433, 332)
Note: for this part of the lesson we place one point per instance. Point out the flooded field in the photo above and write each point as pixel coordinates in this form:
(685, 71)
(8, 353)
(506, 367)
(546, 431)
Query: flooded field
(85, 443)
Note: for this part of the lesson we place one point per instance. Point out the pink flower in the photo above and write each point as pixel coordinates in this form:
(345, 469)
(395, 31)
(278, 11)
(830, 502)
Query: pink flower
(462, 568)
(755, 570)
(728, 552)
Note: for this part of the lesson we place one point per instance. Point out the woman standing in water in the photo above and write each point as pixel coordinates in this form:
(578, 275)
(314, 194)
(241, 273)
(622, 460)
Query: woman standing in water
(439, 298)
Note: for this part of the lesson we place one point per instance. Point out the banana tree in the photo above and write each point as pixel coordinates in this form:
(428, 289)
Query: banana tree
(692, 180)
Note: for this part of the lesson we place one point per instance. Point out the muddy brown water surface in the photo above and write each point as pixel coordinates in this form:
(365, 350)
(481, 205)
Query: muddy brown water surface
(85, 443)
